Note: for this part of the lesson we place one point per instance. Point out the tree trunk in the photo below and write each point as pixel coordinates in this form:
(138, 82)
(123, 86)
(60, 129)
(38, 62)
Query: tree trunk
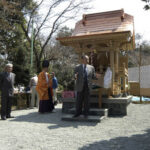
(38, 66)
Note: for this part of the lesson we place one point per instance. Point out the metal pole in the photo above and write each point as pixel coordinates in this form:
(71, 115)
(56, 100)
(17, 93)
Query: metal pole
(32, 41)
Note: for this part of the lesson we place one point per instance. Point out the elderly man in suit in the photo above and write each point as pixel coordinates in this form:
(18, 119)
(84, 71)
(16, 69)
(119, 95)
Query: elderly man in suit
(7, 79)
(84, 74)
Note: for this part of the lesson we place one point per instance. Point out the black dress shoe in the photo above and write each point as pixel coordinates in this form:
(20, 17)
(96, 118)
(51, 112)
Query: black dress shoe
(85, 116)
(3, 118)
(76, 115)
(10, 116)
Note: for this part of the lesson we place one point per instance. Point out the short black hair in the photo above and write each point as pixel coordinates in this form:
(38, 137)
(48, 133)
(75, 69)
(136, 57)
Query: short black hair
(45, 64)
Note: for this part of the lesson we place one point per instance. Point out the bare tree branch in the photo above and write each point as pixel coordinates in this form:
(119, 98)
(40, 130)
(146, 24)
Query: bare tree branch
(43, 22)
(54, 26)
(36, 7)
(52, 20)
(26, 33)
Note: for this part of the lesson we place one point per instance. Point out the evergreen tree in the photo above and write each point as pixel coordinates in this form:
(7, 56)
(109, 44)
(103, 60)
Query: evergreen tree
(13, 43)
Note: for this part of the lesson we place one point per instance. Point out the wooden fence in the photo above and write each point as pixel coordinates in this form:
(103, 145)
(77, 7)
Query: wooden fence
(134, 89)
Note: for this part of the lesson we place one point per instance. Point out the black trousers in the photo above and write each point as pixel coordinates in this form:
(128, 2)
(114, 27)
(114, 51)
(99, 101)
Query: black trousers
(28, 97)
(83, 100)
(6, 102)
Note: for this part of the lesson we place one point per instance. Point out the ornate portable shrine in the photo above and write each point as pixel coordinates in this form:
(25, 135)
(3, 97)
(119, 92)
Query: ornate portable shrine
(106, 38)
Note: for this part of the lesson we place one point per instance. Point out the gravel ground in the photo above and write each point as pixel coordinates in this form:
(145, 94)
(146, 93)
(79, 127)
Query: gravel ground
(30, 130)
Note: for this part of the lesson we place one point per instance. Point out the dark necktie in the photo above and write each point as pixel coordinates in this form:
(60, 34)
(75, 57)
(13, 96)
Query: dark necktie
(85, 74)
(9, 76)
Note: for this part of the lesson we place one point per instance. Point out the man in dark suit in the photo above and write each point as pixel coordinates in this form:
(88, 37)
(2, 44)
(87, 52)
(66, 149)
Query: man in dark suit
(84, 74)
(7, 79)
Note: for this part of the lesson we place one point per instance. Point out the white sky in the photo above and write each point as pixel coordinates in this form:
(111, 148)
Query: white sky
(132, 7)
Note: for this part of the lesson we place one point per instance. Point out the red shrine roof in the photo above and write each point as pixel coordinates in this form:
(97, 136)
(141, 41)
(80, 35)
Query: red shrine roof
(104, 22)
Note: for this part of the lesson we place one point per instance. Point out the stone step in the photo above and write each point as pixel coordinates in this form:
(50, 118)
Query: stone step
(69, 117)
(93, 111)
(104, 100)
(73, 100)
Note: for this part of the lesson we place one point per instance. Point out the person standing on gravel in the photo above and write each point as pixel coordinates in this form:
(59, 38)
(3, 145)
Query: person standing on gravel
(84, 74)
(54, 86)
(7, 79)
(34, 94)
(44, 89)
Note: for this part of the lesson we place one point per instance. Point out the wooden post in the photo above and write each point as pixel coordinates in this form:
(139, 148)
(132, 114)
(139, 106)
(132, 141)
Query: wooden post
(124, 79)
(140, 74)
(117, 61)
(127, 81)
(112, 68)
(116, 77)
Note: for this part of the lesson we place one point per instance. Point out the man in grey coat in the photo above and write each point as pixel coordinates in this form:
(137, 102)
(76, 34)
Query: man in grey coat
(84, 74)
(7, 79)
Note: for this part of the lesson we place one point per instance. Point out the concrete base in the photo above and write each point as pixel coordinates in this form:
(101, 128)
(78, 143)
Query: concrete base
(116, 106)
(67, 104)
(93, 112)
